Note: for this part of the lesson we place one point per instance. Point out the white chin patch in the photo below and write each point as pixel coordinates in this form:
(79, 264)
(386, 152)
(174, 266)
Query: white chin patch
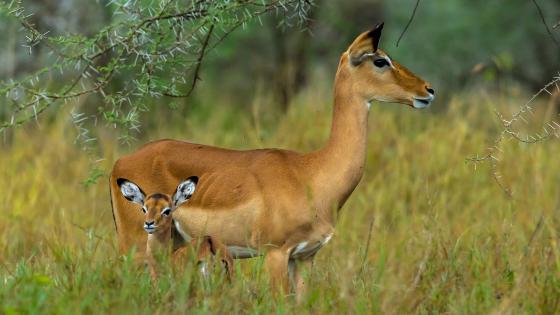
(422, 102)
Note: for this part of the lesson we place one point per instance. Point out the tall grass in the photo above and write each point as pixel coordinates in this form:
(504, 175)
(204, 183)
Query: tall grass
(445, 238)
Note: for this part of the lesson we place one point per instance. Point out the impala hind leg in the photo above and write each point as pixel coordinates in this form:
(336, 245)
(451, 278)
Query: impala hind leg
(181, 258)
(276, 264)
(223, 255)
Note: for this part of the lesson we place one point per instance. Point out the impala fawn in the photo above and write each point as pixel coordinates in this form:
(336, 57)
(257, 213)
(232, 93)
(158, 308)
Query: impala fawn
(158, 223)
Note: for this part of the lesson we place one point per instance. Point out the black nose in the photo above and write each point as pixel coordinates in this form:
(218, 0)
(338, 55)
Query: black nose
(149, 223)
(430, 90)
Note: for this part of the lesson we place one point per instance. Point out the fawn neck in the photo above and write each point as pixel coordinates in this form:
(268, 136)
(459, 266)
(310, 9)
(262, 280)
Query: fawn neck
(159, 240)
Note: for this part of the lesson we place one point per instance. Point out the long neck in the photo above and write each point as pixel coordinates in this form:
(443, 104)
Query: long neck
(341, 162)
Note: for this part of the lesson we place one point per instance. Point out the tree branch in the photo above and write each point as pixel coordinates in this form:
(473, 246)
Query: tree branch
(546, 25)
(196, 75)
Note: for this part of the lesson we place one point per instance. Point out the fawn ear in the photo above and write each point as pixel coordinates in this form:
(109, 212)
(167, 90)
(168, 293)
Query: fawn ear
(184, 191)
(131, 191)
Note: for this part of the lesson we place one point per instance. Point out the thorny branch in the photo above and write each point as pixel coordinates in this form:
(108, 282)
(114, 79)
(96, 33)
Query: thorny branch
(549, 129)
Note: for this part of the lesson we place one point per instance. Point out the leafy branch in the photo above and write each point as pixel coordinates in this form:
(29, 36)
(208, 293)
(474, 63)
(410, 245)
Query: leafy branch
(149, 50)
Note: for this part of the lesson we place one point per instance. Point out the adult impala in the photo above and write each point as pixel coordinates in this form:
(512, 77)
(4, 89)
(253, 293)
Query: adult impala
(274, 202)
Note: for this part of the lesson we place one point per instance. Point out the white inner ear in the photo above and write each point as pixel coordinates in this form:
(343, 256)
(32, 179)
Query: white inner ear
(184, 191)
(132, 192)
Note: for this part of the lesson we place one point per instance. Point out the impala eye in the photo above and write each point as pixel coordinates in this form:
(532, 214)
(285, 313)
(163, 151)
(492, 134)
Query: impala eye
(380, 63)
(144, 209)
(166, 211)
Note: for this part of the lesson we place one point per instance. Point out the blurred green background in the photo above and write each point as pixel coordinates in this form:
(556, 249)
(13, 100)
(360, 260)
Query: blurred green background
(454, 44)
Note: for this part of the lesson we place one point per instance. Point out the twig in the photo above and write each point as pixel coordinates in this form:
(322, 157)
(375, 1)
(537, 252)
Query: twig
(362, 267)
(546, 25)
(533, 236)
(89, 231)
(216, 43)
(422, 265)
(196, 75)
(7, 269)
(409, 21)
(507, 303)
(418, 277)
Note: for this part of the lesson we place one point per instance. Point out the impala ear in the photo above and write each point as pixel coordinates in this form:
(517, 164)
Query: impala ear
(131, 191)
(365, 45)
(184, 191)
(375, 35)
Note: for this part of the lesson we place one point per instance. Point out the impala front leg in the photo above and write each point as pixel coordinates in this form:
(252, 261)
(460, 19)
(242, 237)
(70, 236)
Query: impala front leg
(301, 276)
(276, 264)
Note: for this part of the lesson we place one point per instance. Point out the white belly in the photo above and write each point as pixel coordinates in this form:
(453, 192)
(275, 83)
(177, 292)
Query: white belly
(302, 250)
(243, 252)
(236, 251)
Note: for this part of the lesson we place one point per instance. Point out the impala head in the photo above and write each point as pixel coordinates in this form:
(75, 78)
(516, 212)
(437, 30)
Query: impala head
(158, 207)
(375, 76)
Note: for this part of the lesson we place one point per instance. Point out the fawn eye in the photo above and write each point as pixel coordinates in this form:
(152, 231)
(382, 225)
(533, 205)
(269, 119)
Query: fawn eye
(166, 211)
(380, 63)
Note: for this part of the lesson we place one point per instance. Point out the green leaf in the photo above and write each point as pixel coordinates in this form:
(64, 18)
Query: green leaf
(94, 175)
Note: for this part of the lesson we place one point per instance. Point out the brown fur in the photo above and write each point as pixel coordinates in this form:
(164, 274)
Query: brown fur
(269, 199)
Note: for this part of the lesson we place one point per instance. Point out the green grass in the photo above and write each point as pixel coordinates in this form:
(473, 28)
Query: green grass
(445, 237)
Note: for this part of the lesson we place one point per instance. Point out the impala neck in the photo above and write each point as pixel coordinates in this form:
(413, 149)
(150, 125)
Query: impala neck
(342, 160)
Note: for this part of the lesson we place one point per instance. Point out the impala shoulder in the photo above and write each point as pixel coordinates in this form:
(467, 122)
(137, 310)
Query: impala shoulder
(161, 146)
(160, 142)
(278, 154)
(119, 166)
